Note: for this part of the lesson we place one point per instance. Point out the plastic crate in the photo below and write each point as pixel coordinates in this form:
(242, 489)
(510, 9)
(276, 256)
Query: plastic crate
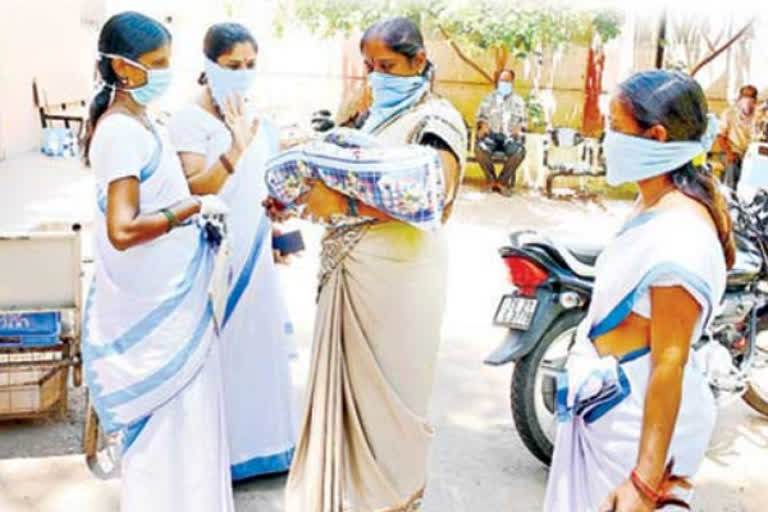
(29, 330)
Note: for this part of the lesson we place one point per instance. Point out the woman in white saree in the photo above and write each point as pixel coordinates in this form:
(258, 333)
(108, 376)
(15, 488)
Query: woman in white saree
(636, 413)
(150, 345)
(223, 146)
(364, 440)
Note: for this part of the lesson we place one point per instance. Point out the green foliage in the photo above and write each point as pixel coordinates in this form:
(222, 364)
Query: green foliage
(537, 117)
(607, 24)
(522, 27)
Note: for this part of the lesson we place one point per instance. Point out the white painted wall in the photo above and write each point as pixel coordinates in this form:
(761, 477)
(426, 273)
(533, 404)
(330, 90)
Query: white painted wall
(37, 38)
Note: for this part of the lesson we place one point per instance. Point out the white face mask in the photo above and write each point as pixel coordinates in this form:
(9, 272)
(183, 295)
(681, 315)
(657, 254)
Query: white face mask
(227, 83)
(630, 158)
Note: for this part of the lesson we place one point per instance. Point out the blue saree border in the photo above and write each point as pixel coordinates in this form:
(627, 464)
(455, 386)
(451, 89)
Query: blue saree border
(244, 279)
(622, 310)
(263, 465)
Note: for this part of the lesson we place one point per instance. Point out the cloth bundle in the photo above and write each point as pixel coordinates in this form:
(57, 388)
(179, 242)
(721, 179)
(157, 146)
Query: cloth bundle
(405, 182)
(590, 386)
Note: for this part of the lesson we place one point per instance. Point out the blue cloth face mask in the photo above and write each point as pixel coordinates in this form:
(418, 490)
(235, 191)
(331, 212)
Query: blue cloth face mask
(504, 88)
(228, 83)
(158, 81)
(392, 94)
(631, 159)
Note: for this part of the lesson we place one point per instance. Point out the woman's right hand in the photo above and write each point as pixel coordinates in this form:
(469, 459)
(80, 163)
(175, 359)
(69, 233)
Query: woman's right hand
(234, 117)
(212, 205)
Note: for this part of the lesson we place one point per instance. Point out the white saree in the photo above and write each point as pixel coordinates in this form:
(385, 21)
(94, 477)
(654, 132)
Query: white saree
(600, 400)
(364, 440)
(257, 334)
(150, 347)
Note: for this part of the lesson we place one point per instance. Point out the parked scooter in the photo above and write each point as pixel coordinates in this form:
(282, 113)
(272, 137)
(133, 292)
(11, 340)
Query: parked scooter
(553, 280)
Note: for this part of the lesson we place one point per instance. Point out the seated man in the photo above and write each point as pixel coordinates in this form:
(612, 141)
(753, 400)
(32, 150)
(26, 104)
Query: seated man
(501, 120)
(736, 129)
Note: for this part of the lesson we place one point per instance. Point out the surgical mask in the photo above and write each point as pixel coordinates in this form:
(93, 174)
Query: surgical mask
(392, 94)
(227, 83)
(158, 81)
(630, 159)
(390, 90)
(504, 88)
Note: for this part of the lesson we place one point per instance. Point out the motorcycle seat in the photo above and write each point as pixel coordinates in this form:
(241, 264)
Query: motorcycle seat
(586, 255)
(580, 254)
(577, 254)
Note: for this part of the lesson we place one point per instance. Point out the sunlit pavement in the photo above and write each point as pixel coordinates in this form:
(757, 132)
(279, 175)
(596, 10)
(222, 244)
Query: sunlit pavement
(478, 462)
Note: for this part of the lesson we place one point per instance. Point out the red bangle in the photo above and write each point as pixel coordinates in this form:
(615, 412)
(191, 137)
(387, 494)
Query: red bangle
(226, 163)
(644, 488)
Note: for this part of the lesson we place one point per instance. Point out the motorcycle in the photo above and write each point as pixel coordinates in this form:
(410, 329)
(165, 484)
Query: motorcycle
(552, 280)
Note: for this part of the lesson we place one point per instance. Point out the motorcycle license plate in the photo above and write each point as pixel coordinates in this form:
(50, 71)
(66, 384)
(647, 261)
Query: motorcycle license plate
(515, 312)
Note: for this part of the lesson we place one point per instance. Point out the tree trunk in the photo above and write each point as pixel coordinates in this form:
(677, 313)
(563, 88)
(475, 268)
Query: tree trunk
(463, 56)
(661, 40)
(592, 120)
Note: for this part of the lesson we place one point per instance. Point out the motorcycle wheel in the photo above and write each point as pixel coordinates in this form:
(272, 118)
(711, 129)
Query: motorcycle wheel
(755, 400)
(532, 392)
(757, 391)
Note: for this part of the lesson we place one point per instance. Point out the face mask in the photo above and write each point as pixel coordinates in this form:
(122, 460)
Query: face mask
(392, 94)
(227, 83)
(631, 159)
(391, 90)
(504, 88)
(158, 81)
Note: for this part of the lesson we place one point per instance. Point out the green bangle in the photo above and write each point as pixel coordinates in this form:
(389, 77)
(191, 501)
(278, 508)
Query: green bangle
(351, 206)
(173, 221)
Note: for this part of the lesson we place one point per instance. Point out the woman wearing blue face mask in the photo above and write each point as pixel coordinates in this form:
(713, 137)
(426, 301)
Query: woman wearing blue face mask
(365, 437)
(223, 146)
(150, 347)
(635, 410)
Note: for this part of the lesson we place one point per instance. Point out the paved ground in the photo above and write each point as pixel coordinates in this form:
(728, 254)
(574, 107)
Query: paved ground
(478, 462)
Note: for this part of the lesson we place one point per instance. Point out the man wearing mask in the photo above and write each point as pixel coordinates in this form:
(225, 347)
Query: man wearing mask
(736, 130)
(501, 119)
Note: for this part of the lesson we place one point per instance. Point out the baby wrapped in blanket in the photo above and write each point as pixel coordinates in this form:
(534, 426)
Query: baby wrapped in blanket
(404, 182)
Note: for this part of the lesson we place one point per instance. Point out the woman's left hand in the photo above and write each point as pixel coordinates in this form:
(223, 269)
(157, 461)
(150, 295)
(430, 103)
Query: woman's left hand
(277, 255)
(626, 498)
(321, 202)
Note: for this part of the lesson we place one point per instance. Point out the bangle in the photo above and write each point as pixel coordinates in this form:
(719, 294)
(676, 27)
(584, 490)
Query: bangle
(226, 163)
(644, 488)
(351, 206)
(173, 221)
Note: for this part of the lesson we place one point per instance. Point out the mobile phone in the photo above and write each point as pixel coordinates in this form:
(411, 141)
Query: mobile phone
(288, 243)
